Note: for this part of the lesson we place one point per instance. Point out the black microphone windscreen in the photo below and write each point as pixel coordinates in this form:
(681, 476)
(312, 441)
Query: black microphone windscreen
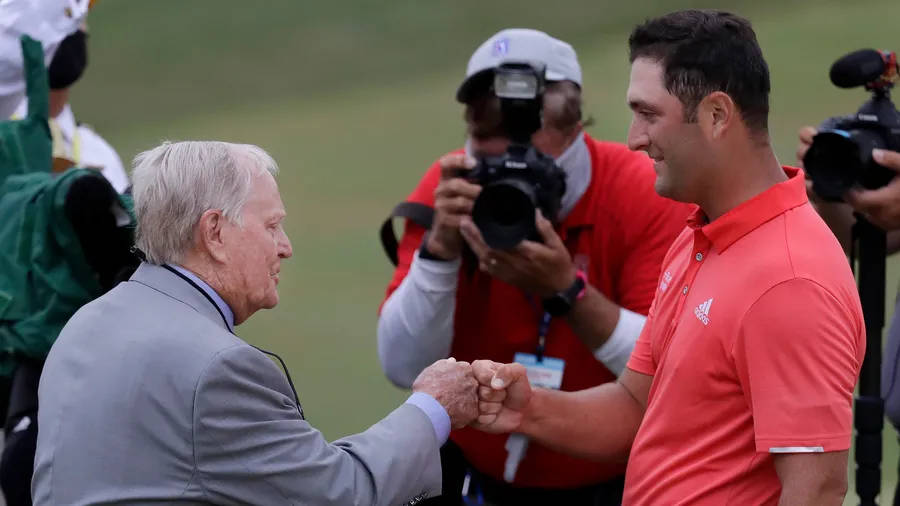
(857, 68)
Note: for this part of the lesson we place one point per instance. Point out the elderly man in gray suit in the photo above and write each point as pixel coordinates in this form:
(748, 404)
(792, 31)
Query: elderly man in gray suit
(148, 397)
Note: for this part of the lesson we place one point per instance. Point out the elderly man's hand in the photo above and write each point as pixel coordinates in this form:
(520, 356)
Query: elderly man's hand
(503, 395)
(541, 269)
(881, 206)
(453, 385)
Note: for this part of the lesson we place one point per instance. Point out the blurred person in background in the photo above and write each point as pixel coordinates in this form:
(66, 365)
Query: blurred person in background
(740, 388)
(74, 143)
(148, 396)
(74, 222)
(578, 299)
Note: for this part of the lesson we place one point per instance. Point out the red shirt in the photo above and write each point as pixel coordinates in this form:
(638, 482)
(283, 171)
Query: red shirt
(618, 232)
(754, 341)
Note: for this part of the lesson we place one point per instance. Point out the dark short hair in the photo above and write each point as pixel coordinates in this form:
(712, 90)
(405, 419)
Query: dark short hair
(703, 51)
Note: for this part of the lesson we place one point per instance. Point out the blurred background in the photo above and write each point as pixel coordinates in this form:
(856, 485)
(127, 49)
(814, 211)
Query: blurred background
(354, 99)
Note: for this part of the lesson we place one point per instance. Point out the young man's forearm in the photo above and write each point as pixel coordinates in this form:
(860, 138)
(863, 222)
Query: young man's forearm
(598, 423)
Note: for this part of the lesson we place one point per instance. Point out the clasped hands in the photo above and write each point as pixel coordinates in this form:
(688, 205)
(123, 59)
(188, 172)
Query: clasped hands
(487, 395)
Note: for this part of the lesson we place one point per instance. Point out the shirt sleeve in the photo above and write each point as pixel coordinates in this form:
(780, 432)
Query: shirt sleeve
(436, 413)
(642, 355)
(797, 354)
(415, 327)
(251, 446)
(649, 224)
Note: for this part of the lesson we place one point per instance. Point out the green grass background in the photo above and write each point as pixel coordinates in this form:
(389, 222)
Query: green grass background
(355, 98)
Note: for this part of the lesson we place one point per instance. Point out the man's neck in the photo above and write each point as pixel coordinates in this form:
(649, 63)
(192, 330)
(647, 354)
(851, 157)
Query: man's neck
(745, 174)
(212, 277)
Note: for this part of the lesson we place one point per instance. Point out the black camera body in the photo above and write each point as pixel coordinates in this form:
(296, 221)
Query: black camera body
(521, 180)
(840, 156)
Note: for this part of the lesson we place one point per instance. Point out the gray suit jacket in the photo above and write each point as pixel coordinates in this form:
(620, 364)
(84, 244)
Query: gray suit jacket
(147, 397)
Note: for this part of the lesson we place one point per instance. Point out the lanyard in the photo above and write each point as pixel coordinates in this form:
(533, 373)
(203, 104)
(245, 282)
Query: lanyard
(544, 324)
(543, 328)
(542, 335)
(225, 321)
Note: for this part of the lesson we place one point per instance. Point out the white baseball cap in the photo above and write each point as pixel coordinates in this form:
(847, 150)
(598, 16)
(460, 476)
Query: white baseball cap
(520, 45)
(48, 22)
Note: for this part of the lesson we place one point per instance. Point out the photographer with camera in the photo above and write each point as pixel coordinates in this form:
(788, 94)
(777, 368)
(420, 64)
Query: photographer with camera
(569, 300)
(852, 164)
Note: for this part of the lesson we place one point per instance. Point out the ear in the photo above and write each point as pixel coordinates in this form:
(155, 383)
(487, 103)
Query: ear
(716, 113)
(209, 234)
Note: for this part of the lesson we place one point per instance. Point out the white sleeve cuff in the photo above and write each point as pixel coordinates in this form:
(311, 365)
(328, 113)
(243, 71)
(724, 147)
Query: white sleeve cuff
(434, 275)
(616, 351)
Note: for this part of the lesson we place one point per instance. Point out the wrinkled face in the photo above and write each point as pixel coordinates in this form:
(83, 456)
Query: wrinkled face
(658, 128)
(255, 249)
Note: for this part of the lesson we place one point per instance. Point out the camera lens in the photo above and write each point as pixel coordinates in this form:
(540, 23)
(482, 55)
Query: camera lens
(838, 159)
(833, 161)
(504, 213)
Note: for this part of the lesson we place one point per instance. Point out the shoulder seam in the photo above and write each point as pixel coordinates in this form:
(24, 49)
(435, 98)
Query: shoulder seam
(774, 286)
(165, 294)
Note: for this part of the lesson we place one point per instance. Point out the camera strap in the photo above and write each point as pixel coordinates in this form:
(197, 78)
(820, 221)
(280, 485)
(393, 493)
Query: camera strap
(420, 214)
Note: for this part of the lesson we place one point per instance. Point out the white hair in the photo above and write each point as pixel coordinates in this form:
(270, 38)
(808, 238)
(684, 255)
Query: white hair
(176, 182)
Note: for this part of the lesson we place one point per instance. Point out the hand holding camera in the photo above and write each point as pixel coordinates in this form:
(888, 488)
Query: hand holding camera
(522, 179)
(855, 158)
(839, 156)
(454, 198)
(539, 268)
(881, 206)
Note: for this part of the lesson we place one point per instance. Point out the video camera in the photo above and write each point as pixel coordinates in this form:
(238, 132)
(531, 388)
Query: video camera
(522, 179)
(840, 156)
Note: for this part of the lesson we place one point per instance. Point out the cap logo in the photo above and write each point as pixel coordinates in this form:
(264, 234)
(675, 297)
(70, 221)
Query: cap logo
(500, 48)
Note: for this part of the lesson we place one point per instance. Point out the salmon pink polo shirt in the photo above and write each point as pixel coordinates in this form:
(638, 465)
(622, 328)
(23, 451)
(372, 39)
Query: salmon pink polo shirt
(754, 340)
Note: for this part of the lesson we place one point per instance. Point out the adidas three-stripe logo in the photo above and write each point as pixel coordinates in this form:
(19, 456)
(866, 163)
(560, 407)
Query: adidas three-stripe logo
(702, 312)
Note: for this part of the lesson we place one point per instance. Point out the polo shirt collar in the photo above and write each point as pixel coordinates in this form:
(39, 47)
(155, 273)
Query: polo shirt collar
(746, 217)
